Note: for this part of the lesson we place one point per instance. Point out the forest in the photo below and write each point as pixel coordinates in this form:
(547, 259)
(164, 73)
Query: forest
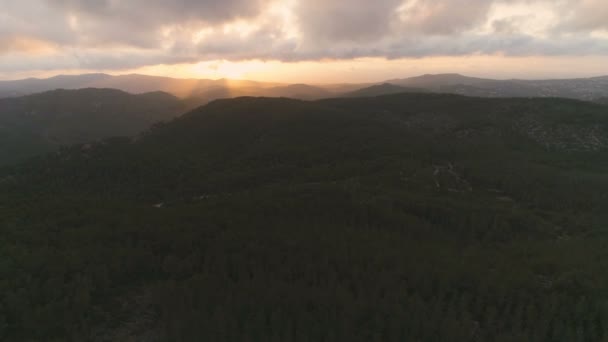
(405, 217)
(33, 125)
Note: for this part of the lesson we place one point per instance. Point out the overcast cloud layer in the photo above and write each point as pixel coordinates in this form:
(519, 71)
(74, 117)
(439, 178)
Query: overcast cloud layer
(126, 34)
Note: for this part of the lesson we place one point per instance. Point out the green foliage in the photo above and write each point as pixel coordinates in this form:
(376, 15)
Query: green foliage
(37, 124)
(397, 218)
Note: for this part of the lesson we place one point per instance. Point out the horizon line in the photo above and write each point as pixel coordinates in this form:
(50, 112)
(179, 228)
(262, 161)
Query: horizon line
(290, 83)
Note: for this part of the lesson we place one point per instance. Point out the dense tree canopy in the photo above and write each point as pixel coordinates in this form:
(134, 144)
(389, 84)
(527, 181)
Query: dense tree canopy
(37, 124)
(411, 217)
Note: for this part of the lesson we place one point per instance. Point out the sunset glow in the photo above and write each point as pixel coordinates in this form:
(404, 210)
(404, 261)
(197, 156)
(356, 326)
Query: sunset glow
(311, 41)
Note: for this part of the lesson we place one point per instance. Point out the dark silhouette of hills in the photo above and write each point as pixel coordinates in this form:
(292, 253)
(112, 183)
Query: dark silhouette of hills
(434, 81)
(384, 89)
(133, 83)
(406, 217)
(195, 92)
(582, 89)
(201, 91)
(35, 124)
(299, 91)
(35, 85)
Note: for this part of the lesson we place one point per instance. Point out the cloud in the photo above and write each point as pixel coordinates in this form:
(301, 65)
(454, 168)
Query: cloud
(133, 23)
(443, 17)
(584, 15)
(25, 45)
(116, 34)
(352, 20)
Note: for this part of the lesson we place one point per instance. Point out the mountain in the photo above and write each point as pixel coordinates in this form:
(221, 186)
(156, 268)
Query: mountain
(344, 88)
(582, 89)
(383, 89)
(34, 85)
(407, 217)
(472, 86)
(603, 100)
(298, 91)
(36, 124)
(201, 91)
(133, 83)
(429, 81)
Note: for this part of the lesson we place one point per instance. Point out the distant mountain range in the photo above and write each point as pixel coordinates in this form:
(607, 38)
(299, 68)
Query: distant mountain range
(133, 83)
(384, 89)
(87, 110)
(201, 91)
(35, 124)
(582, 88)
(297, 91)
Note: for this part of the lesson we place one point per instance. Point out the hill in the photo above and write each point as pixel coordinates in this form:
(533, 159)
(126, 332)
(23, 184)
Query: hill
(603, 100)
(298, 91)
(383, 89)
(408, 217)
(194, 91)
(134, 83)
(41, 123)
(582, 89)
(33, 85)
(201, 91)
(441, 80)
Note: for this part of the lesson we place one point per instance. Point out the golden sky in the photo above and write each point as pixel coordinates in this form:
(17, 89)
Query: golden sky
(312, 41)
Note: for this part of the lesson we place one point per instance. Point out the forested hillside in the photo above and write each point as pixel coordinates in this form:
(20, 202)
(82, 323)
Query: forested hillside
(41, 123)
(577, 88)
(410, 217)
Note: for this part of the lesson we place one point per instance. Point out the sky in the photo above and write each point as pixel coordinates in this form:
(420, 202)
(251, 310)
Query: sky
(313, 41)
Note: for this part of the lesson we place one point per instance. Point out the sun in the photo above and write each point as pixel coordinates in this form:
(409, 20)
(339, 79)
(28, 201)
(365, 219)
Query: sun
(215, 69)
(229, 69)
